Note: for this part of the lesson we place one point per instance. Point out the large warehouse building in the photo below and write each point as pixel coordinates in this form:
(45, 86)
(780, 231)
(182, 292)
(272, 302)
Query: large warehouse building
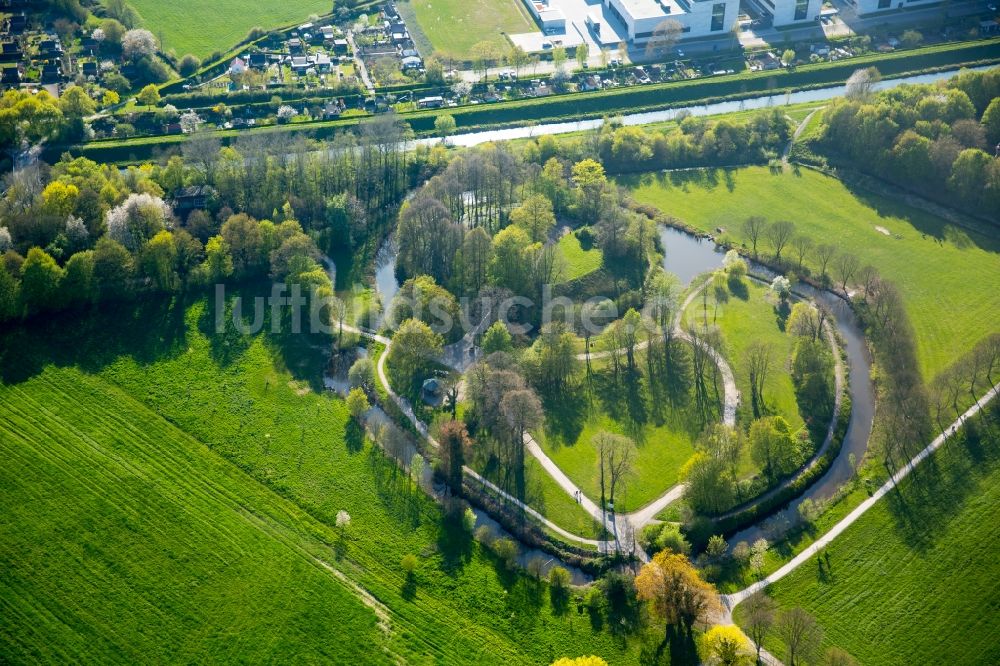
(697, 18)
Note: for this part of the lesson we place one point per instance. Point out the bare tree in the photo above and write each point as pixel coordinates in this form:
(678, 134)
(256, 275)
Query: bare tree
(760, 610)
(800, 633)
(802, 245)
(665, 35)
(758, 361)
(846, 265)
(778, 234)
(824, 252)
(753, 227)
(616, 454)
(522, 411)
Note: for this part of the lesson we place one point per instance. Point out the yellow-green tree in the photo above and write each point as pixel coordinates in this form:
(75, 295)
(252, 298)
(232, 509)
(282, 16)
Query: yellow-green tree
(590, 660)
(725, 645)
(675, 591)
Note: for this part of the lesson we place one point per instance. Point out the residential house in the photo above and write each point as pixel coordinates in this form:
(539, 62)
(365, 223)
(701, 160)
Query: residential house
(340, 45)
(195, 197)
(51, 71)
(11, 76)
(89, 68)
(10, 52)
(257, 60)
(412, 62)
(237, 66)
(300, 64)
(295, 45)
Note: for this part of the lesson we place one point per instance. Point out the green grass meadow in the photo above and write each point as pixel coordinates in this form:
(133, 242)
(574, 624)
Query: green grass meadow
(916, 579)
(742, 321)
(201, 28)
(453, 27)
(578, 261)
(170, 493)
(943, 271)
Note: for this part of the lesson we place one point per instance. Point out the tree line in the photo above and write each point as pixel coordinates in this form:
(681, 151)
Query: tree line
(936, 139)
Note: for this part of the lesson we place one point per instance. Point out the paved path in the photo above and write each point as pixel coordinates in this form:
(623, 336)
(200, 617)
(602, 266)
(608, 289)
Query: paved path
(831, 431)
(798, 132)
(359, 64)
(730, 601)
(422, 428)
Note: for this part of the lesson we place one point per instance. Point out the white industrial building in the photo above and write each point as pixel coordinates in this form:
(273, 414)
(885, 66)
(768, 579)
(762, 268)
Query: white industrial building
(791, 12)
(697, 18)
(865, 7)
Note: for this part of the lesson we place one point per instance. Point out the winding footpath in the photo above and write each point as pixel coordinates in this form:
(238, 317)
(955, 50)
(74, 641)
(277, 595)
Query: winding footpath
(730, 601)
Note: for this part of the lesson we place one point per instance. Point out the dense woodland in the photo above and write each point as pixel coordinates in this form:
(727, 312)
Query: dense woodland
(938, 140)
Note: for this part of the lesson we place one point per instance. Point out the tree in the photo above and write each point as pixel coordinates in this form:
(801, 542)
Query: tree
(518, 59)
(760, 610)
(485, 54)
(772, 446)
(758, 363)
(615, 456)
(861, 83)
(834, 656)
(535, 216)
(414, 347)
(9, 294)
(110, 98)
(453, 440)
(362, 375)
(802, 246)
(582, 54)
(804, 321)
(76, 103)
(665, 35)
(40, 281)
(709, 488)
(800, 633)
(496, 339)
(218, 263)
(991, 121)
(522, 410)
(357, 404)
(188, 65)
(138, 43)
(445, 125)
(675, 591)
(911, 38)
(824, 252)
(778, 234)
(846, 265)
(158, 259)
(753, 228)
(149, 95)
(113, 269)
(788, 57)
(724, 645)
(590, 180)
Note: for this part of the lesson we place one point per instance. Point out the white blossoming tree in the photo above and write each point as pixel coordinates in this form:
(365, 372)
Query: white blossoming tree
(137, 219)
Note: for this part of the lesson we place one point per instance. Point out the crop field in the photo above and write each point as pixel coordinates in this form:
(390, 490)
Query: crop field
(938, 267)
(201, 28)
(150, 457)
(915, 580)
(453, 27)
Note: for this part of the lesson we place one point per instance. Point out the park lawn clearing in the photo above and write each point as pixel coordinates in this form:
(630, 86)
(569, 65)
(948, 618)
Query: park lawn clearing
(662, 451)
(741, 323)
(916, 579)
(453, 27)
(254, 407)
(202, 28)
(940, 269)
(578, 261)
